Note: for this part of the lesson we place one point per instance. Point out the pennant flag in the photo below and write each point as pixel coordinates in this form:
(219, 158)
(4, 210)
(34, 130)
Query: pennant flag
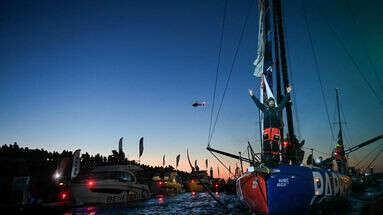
(163, 160)
(76, 163)
(207, 164)
(141, 147)
(177, 160)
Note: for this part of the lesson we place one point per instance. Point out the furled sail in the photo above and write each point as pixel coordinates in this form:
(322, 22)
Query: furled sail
(264, 61)
(259, 61)
(163, 160)
(207, 163)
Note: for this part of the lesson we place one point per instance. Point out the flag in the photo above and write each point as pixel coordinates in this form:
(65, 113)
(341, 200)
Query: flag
(177, 160)
(76, 163)
(207, 164)
(141, 147)
(120, 145)
(269, 92)
(190, 164)
(163, 160)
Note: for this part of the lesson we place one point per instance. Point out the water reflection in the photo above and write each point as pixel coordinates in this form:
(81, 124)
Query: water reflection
(160, 200)
(186, 203)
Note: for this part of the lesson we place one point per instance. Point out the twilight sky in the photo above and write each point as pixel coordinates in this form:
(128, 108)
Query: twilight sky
(81, 74)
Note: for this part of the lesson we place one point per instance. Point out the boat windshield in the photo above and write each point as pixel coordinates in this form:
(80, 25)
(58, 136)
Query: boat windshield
(114, 175)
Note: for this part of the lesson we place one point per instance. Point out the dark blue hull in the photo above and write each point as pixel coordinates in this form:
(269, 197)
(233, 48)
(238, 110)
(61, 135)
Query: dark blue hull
(291, 189)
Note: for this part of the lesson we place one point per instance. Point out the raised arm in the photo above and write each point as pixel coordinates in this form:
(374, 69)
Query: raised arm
(261, 106)
(285, 98)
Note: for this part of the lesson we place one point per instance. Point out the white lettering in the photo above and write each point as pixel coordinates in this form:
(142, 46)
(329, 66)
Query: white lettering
(335, 181)
(328, 189)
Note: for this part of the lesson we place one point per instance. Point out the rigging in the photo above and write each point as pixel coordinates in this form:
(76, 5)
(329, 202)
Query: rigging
(341, 42)
(317, 68)
(217, 70)
(366, 156)
(231, 70)
(355, 23)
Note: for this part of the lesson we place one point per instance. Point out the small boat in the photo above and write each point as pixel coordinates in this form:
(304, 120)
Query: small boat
(218, 185)
(194, 183)
(156, 185)
(171, 184)
(167, 185)
(108, 184)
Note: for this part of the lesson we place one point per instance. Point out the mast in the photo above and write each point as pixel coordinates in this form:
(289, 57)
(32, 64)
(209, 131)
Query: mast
(339, 120)
(276, 63)
(282, 53)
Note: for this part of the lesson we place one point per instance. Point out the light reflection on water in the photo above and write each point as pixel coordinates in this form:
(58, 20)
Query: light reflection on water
(190, 204)
(187, 203)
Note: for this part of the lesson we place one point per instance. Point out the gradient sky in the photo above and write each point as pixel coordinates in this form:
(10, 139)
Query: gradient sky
(81, 74)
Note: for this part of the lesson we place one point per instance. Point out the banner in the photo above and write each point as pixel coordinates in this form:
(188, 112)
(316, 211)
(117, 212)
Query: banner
(141, 146)
(76, 164)
(177, 160)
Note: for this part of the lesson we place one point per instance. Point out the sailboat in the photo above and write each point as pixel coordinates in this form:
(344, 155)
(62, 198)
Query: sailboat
(288, 187)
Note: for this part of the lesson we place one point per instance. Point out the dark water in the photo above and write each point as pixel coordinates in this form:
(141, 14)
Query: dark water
(200, 203)
(186, 203)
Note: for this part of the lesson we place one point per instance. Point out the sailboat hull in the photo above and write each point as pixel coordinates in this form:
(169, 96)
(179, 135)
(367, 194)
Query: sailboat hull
(291, 189)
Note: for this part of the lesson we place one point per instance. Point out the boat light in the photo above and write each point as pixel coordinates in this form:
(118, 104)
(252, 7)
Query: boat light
(57, 175)
(64, 195)
(61, 183)
(90, 183)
